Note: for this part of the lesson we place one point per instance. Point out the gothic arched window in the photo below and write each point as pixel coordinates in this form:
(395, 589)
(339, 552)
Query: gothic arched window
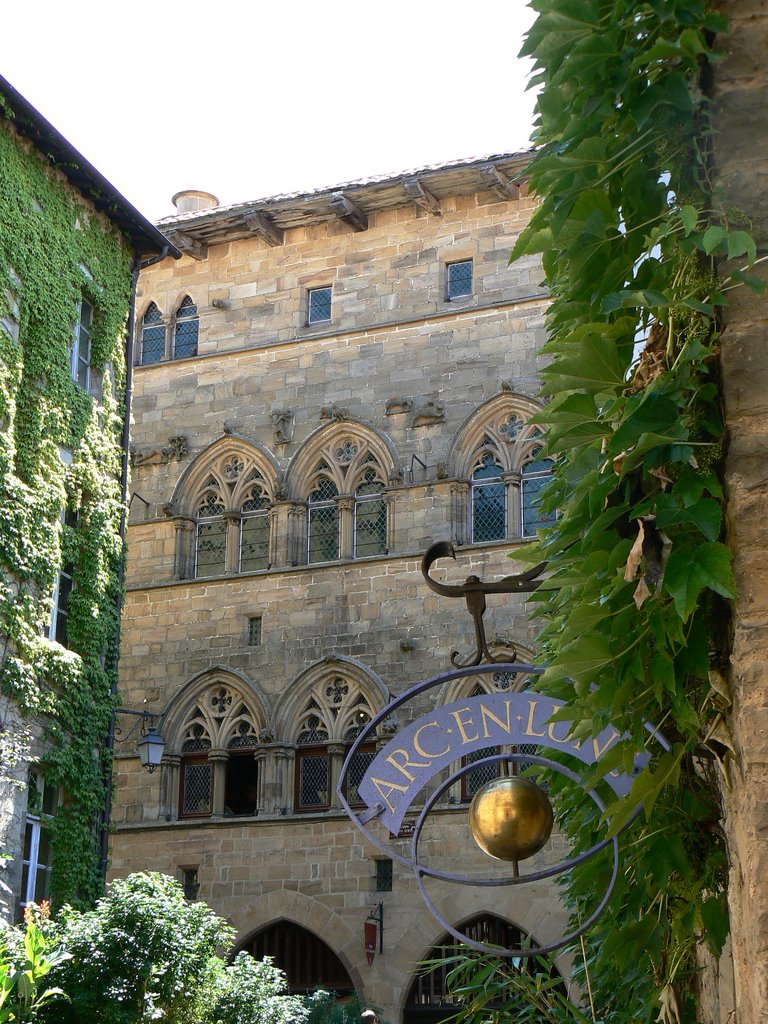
(185, 329)
(348, 515)
(497, 453)
(254, 525)
(536, 474)
(211, 543)
(370, 515)
(331, 719)
(488, 501)
(229, 495)
(218, 771)
(152, 336)
(323, 520)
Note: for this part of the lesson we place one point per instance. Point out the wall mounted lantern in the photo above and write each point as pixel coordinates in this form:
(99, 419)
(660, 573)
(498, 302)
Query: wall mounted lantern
(151, 744)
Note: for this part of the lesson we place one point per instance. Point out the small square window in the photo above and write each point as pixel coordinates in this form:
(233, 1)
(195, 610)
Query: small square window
(458, 280)
(319, 305)
(254, 631)
(384, 875)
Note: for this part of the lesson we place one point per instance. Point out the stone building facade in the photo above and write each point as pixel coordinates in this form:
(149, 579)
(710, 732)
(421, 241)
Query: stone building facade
(327, 383)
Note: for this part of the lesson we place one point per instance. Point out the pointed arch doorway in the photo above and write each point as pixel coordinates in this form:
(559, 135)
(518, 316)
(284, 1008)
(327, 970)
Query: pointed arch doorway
(427, 1001)
(308, 962)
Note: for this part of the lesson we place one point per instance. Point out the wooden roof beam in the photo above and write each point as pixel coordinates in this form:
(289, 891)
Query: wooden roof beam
(348, 211)
(422, 196)
(499, 183)
(263, 225)
(188, 245)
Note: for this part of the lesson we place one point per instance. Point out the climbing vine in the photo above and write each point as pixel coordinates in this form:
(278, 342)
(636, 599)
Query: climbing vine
(630, 229)
(60, 500)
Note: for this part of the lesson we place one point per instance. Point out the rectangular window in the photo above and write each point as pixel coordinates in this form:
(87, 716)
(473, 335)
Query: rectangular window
(80, 352)
(319, 305)
(489, 512)
(370, 527)
(241, 785)
(36, 864)
(312, 775)
(196, 787)
(361, 762)
(323, 533)
(58, 628)
(384, 875)
(254, 543)
(458, 280)
(254, 631)
(211, 548)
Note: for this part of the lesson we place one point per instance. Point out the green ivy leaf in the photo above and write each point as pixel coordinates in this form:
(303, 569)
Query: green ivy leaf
(693, 569)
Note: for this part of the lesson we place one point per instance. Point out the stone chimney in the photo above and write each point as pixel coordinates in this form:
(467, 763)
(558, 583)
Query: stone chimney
(192, 200)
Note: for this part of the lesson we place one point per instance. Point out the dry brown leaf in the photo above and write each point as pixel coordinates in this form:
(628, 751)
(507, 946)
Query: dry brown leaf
(636, 553)
(641, 594)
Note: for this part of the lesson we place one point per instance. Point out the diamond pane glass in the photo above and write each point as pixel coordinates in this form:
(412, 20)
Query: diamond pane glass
(254, 543)
(198, 788)
(323, 534)
(357, 769)
(313, 780)
(370, 527)
(211, 548)
(185, 338)
(319, 305)
(489, 512)
(532, 518)
(478, 777)
(325, 491)
(152, 345)
(459, 279)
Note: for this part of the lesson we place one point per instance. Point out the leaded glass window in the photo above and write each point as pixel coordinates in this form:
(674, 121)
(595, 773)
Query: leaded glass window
(360, 764)
(477, 777)
(489, 502)
(370, 518)
(458, 280)
(152, 336)
(323, 522)
(536, 475)
(186, 329)
(254, 531)
(196, 787)
(211, 535)
(319, 305)
(313, 779)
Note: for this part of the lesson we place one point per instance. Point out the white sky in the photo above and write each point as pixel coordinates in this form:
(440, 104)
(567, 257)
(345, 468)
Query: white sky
(249, 100)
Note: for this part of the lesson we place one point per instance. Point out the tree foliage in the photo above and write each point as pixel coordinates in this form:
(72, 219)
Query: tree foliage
(630, 230)
(145, 953)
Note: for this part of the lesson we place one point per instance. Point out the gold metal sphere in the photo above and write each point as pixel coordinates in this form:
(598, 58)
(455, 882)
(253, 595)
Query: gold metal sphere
(510, 818)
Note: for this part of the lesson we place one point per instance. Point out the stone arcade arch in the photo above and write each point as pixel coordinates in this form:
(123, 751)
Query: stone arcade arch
(427, 1001)
(308, 962)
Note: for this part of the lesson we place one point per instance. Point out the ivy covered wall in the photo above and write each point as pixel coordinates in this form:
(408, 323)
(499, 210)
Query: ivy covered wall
(60, 503)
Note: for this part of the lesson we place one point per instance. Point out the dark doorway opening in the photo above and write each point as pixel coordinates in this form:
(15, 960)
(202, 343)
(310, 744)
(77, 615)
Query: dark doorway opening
(307, 961)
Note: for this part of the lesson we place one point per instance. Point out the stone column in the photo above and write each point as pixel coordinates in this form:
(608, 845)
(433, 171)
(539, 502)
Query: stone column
(184, 548)
(346, 506)
(218, 757)
(232, 553)
(390, 503)
(512, 485)
(460, 512)
(740, 93)
(336, 752)
(169, 786)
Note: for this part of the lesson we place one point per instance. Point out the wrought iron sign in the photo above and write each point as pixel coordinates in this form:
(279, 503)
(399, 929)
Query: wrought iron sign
(510, 817)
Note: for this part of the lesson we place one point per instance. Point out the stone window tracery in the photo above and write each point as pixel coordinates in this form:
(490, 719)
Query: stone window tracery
(218, 770)
(232, 517)
(498, 452)
(332, 717)
(347, 511)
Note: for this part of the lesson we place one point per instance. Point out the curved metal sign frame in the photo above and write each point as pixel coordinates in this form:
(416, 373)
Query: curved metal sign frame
(405, 765)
